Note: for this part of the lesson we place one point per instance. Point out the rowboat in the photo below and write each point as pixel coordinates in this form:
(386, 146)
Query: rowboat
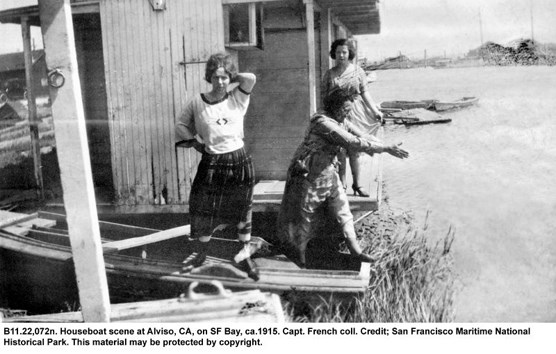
(457, 104)
(145, 264)
(416, 116)
(410, 116)
(403, 105)
(424, 122)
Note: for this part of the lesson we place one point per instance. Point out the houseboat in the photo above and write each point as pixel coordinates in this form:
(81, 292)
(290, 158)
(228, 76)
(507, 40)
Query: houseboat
(139, 63)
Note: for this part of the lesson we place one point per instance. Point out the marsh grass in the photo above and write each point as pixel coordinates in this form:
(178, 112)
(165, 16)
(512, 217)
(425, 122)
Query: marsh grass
(411, 281)
(15, 140)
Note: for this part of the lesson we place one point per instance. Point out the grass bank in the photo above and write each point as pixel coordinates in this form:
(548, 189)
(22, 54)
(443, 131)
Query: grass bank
(411, 279)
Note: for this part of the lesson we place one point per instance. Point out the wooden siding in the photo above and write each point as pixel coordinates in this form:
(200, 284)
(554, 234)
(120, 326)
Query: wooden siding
(154, 62)
(279, 111)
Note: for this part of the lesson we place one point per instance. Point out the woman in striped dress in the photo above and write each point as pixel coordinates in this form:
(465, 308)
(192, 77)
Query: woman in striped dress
(313, 180)
(349, 78)
(222, 191)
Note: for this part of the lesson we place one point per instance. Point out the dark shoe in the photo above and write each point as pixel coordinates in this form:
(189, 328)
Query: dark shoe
(249, 267)
(358, 190)
(199, 259)
(365, 258)
(200, 249)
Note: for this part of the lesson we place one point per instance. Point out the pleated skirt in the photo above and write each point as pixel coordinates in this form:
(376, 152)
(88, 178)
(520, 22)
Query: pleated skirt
(222, 193)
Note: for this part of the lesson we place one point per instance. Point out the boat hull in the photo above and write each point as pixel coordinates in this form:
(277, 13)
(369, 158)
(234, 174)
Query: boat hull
(403, 105)
(441, 106)
(40, 275)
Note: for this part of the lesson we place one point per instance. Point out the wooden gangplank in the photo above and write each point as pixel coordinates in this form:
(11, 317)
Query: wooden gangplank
(20, 224)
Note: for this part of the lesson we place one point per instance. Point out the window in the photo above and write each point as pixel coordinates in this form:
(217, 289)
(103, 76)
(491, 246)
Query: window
(243, 26)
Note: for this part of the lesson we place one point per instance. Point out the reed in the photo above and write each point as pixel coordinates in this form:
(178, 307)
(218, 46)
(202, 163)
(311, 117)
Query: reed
(22, 130)
(24, 143)
(411, 281)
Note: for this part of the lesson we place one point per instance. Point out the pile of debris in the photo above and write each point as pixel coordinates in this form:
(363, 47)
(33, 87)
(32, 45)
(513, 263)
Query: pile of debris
(519, 52)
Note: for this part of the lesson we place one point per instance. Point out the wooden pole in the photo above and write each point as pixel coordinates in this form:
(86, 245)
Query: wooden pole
(309, 7)
(532, 26)
(74, 161)
(481, 26)
(325, 43)
(32, 106)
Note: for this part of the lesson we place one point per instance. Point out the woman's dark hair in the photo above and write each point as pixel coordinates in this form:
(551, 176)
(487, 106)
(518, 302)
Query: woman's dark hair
(220, 60)
(339, 42)
(335, 101)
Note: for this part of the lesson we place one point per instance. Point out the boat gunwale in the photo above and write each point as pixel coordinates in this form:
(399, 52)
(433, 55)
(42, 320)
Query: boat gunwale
(123, 265)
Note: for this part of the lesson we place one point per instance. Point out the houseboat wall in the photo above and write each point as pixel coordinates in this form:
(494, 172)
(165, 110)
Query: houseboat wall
(139, 67)
(278, 112)
(154, 62)
(280, 107)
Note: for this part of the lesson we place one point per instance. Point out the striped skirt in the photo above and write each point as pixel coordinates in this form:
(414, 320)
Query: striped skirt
(222, 193)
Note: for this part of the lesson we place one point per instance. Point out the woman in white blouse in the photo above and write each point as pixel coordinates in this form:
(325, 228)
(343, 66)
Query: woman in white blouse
(222, 191)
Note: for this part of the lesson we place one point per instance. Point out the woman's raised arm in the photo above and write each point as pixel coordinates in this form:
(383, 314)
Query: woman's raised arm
(246, 81)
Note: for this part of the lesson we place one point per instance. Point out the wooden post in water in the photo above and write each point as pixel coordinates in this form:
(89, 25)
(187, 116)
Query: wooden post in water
(310, 8)
(73, 157)
(32, 105)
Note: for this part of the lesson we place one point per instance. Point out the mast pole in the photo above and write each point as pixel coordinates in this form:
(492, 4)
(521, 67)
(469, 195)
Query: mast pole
(481, 26)
(531, 10)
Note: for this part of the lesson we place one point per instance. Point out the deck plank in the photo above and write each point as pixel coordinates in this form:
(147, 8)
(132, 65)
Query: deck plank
(8, 218)
(164, 235)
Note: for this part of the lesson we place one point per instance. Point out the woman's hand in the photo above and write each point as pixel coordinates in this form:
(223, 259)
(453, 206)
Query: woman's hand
(396, 151)
(191, 143)
(200, 147)
(380, 116)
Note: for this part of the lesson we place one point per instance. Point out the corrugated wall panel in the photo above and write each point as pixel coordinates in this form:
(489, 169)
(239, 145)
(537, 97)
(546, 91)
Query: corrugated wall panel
(147, 88)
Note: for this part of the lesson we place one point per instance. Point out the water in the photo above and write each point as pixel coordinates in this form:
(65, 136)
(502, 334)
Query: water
(490, 173)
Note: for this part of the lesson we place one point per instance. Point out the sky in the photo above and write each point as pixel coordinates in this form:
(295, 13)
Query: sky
(441, 27)
(454, 26)
(10, 35)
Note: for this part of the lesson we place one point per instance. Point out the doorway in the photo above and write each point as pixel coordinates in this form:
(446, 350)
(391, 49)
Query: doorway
(90, 61)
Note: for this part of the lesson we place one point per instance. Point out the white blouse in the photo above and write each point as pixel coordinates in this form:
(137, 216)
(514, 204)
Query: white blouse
(219, 125)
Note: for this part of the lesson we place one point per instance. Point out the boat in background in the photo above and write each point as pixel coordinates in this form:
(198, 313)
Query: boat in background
(423, 122)
(431, 105)
(404, 105)
(440, 106)
(415, 116)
